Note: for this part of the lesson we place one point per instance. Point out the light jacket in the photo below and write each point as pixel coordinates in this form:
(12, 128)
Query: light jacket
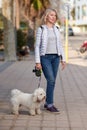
(42, 40)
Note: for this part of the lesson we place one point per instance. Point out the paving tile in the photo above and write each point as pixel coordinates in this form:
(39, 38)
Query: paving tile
(21, 123)
(63, 128)
(19, 128)
(5, 123)
(76, 124)
(8, 117)
(49, 128)
(4, 127)
(49, 123)
(34, 123)
(62, 124)
(49, 117)
(78, 128)
(33, 128)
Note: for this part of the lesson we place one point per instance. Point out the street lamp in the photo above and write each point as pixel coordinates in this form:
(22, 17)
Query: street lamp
(66, 8)
(67, 20)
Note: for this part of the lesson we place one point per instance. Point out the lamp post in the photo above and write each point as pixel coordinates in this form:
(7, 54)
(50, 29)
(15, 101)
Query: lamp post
(66, 38)
(65, 8)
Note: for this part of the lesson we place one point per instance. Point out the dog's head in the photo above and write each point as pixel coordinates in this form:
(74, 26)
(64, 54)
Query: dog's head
(39, 95)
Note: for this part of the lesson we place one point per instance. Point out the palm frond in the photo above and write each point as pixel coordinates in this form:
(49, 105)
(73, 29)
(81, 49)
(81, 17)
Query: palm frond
(37, 4)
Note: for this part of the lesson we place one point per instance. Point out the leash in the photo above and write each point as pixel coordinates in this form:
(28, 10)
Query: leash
(39, 82)
(38, 74)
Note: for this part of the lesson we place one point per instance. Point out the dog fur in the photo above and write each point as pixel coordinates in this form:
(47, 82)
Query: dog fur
(31, 101)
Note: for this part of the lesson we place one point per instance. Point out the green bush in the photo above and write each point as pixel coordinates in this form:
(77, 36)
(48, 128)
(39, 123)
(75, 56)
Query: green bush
(23, 25)
(21, 39)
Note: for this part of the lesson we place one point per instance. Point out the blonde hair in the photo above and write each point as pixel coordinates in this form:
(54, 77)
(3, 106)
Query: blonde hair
(47, 11)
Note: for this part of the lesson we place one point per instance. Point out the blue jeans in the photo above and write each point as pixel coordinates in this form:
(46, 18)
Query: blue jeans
(50, 64)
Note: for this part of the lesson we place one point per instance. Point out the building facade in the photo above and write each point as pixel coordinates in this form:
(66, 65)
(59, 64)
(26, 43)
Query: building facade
(81, 14)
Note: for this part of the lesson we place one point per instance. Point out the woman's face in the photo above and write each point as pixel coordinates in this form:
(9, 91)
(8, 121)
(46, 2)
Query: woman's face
(51, 17)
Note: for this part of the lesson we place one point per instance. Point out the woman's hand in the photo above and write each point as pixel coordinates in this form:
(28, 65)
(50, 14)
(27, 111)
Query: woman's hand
(38, 66)
(63, 63)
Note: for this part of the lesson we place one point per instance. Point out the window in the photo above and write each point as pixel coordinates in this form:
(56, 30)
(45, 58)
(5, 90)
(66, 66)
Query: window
(84, 12)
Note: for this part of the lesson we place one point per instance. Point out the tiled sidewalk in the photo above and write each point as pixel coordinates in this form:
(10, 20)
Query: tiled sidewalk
(70, 96)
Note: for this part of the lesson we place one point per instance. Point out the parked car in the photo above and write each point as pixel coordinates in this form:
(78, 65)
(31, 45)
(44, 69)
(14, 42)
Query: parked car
(70, 31)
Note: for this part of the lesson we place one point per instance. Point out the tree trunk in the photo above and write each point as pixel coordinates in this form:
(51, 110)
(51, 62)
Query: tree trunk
(9, 31)
(16, 14)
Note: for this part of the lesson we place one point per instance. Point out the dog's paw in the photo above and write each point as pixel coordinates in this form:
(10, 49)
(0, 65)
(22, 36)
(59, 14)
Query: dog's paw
(32, 112)
(15, 113)
(38, 111)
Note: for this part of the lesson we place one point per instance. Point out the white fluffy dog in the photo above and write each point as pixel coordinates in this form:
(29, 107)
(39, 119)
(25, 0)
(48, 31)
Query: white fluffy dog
(31, 101)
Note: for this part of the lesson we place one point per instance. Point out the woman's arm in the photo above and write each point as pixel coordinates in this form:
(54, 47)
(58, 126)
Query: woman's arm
(37, 48)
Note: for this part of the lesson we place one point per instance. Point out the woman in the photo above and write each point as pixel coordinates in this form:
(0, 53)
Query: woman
(48, 54)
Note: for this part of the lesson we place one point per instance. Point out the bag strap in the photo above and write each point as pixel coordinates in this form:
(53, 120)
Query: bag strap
(42, 30)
